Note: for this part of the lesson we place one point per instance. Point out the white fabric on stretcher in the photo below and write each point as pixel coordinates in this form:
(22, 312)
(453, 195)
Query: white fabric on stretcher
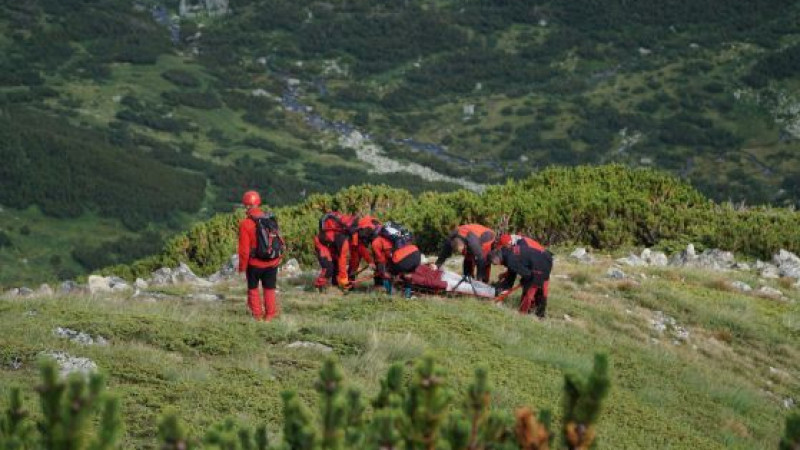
(481, 289)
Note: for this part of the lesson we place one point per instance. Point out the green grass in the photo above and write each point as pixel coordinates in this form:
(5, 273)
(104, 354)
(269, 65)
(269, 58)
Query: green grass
(210, 360)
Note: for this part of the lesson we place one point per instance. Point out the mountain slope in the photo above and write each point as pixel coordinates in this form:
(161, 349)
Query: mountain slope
(694, 363)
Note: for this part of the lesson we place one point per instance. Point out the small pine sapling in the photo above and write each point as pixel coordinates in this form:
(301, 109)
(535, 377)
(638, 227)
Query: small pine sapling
(791, 437)
(582, 402)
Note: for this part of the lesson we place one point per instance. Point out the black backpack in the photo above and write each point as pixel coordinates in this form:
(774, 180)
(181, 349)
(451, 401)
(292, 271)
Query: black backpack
(397, 234)
(269, 243)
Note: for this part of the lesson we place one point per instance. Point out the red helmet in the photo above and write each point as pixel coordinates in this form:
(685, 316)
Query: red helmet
(504, 240)
(251, 198)
(368, 222)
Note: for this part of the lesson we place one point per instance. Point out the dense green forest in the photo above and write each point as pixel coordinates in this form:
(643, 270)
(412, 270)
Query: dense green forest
(164, 120)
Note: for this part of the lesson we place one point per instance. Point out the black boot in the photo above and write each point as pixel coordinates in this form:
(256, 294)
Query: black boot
(541, 308)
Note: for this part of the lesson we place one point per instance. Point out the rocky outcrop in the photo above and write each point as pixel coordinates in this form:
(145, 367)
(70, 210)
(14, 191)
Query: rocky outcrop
(68, 364)
(79, 337)
(227, 271)
(179, 275)
(582, 255)
(370, 153)
(102, 285)
(291, 269)
(711, 259)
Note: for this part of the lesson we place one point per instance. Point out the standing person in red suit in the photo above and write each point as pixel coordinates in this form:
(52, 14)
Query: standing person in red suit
(260, 250)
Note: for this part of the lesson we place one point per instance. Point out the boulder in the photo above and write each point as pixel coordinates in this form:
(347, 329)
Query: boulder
(788, 264)
(291, 269)
(204, 297)
(69, 287)
(616, 273)
(227, 271)
(161, 277)
(711, 259)
(25, 291)
(99, 284)
(632, 261)
(311, 346)
(770, 271)
(179, 275)
(653, 258)
(44, 291)
(118, 284)
(741, 286)
(770, 292)
(582, 255)
(140, 284)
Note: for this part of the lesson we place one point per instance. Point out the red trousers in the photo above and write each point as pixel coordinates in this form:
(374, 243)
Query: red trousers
(536, 296)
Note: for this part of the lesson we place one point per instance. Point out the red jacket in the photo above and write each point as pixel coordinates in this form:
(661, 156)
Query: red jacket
(247, 241)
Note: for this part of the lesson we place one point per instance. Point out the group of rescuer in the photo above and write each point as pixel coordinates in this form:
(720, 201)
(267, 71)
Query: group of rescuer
(344, 241)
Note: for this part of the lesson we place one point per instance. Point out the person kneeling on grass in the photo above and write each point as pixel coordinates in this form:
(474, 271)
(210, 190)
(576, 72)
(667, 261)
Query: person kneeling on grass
(260, 250)
(395, 255)
(527, 258)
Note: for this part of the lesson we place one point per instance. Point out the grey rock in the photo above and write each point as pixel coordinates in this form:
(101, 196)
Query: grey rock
(742, 266)
(69, 287)
(69, 364)
(664, 324)
(311, 346)
(616, 273)
(79, 337)
(789, 403)
(16, 363)
(770, 271)
(44, 291)
(140, 284)
(582, 255)
(712, 259)
(291, 269)
(785, 257)
(118, 284)
(770, 292)
(179, 275)
(11, 293)
(204, 297)
(25, 291)
(742, 286)
(99, 284)
(787, 263)
(227, 271)
(653, 258)
(632, 261)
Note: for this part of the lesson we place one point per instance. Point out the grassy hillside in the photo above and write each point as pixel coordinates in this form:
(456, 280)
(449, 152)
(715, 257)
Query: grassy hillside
(722, 387)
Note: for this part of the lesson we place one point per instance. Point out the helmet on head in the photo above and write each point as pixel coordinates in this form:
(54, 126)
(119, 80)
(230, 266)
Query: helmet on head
(251, 198)
(504, 240)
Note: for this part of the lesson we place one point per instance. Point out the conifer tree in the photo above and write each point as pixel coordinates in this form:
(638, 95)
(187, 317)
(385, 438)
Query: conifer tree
(791, 438)
(582, 404)
(333, 407)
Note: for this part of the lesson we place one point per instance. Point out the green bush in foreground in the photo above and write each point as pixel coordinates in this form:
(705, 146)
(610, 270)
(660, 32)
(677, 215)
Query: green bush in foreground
(416, 414)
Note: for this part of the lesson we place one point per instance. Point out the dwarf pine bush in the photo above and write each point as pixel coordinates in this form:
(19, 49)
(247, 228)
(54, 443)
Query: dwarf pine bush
(421, 414)
(605, 207)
